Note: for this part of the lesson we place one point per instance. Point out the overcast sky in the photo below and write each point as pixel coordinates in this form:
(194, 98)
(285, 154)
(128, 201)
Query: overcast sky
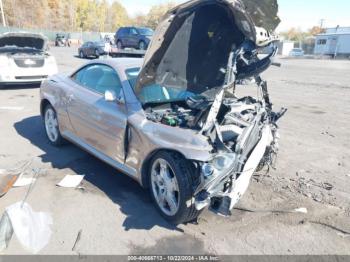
(294, 13)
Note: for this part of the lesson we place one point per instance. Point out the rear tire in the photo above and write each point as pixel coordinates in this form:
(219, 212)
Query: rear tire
(51, 126)
(81, 55)
(174, 186)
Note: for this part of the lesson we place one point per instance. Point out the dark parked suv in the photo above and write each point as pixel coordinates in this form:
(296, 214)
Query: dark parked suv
(135, 37)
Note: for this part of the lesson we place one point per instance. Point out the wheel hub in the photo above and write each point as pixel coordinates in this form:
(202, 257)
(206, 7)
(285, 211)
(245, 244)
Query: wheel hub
(165, 187)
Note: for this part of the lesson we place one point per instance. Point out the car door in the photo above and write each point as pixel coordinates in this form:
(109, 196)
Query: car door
(134, 37)
(126, 37)
(98, 123)
(90, 49)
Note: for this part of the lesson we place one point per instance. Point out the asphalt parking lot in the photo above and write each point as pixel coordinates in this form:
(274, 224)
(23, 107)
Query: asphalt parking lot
(116, 216)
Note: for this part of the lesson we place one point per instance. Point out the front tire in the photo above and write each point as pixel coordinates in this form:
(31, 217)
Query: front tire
(142, 45)
(51, 126)
(81, 55)
(171, 179)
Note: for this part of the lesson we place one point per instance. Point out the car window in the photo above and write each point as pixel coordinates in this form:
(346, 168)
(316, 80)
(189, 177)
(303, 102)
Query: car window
(78, 76)
(133, 31)
(98, 78)
(121, 32)
(124, 32)
(145, 31)
(132, 75)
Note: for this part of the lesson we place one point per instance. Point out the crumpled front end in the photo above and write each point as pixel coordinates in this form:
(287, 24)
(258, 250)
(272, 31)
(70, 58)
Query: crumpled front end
(200, 52)
(226, 178)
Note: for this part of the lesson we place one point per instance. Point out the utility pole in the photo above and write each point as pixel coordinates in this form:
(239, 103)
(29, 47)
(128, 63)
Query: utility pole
(2, 13)
(322, 22)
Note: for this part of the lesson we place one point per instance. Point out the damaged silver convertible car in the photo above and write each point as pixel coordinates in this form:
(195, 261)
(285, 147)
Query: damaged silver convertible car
(174, 123)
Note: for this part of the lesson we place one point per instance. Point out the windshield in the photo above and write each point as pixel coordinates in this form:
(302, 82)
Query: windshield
(145, 31)
(132, 75)
(156, 93)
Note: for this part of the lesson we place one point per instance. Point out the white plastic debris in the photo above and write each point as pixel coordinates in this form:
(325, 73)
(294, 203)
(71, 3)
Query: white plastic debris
(301, 210)
(6, 231)
(32, 229)
(71, 181)
(24, 181)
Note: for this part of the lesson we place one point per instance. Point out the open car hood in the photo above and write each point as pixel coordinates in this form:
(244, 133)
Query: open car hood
(23, 40)
(264, 13)
(192, 44)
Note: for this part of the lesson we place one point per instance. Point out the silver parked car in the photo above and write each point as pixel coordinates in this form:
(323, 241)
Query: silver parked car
(172, 121)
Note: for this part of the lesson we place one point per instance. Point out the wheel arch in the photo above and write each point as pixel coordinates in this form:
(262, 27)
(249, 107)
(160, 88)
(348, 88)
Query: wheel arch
(43, 104)
(142, 41)
(146, 164)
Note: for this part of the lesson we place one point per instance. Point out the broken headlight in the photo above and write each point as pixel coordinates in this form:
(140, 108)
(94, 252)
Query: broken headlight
(223, 161)
(219, 164)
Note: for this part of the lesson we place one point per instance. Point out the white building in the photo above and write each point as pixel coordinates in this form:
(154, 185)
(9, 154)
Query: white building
(284, 47)
(334, 42)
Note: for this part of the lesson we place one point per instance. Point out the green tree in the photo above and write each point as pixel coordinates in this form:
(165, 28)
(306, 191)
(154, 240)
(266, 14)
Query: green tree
(156, 13)
(66, 15)
(316, 30)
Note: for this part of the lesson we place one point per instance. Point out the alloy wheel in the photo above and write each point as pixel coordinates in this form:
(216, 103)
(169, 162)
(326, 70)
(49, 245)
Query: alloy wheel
(51, 125)
(165, 187)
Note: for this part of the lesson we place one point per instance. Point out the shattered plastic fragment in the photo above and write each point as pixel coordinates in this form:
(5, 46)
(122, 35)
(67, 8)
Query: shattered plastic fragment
(24, 181)
(6, 183)
(6, 231)
(301, 210)
(71, 181)
(32, 229)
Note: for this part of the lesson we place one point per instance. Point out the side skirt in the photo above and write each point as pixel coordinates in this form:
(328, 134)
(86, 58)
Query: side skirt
(121, 167)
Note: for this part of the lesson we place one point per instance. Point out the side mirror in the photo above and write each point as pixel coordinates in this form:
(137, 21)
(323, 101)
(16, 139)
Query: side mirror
(120, 100)
(110, 96)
